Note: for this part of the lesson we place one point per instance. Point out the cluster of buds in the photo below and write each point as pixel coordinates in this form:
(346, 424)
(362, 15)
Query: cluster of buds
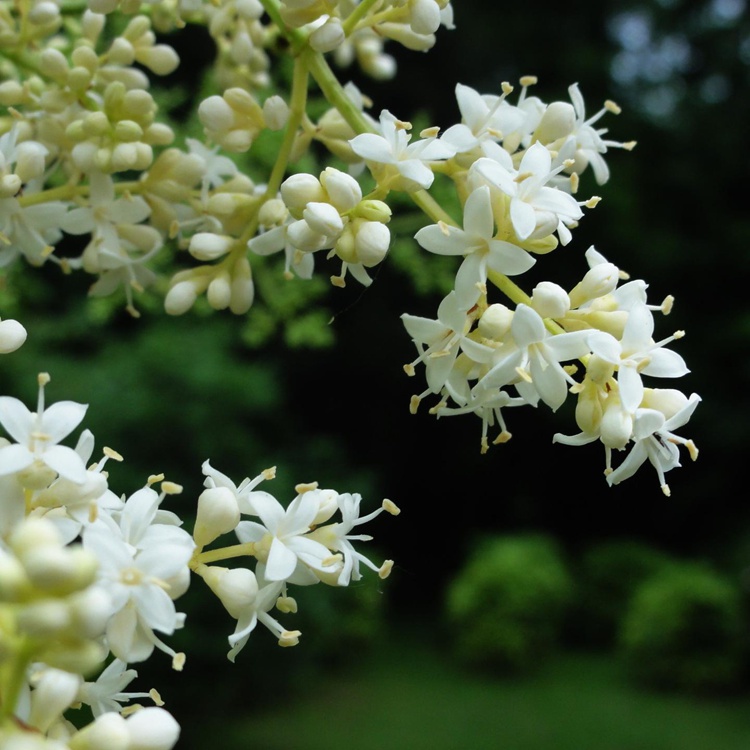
(89, 578)
(326, 214)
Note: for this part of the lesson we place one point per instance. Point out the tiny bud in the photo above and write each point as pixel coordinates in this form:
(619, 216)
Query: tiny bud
(299, 190)
(236, 588)
(343, 190)
(425, 16)
(12, 335)
(180, 298)
(558, 121)
(207, 246)
(550, 300)
(215, 114)
(372, 242)
(495, 322)
(329, 36)
(275, 112)
(218, 513)
(243, 289)
(323, 218)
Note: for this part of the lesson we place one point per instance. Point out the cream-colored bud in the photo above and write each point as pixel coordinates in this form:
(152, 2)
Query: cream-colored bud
(371, 242)
(138, 104)
(44, 618)
(495, 322)
(323, 218)
(235, 587)
(243, 289)
(598, 281)
(93, 125)
(137, 27)
(425, 16)
(275, 112)
(121, 52)
(249, 9)
(92, 23)
(109, 731)
(237, 141)
(301, 235)
(327, 505)
(243, 102)
(241, 48)
(10, 184)
(11, 93)
(90, 611)
(59, 570)
(272, 213)
(123, 157)
(79, 78)
(53, 64)
(14, 582)
(151, 728)
(12, 335)
(160, 59)
(299, 190)
(343, 190)
(558, 121)
(407, 36)
(373, 210)
(218, 513)
(329, 36)
(550, 300)
(589, 409)
(54, 692)
(180, 298)
(34, 533)
(44, 13)
(158, 134)
(215, 114)
(85, 57)
(208, 246)
(128, 131)
(616, 425)
(219, 292)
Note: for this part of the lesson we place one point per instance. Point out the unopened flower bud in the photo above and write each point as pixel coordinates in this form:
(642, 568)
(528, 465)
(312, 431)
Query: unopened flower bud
(219, 292)
(550, 300)
(598, 281)
(160, 59)
(218, 513)
(299, 190)
(180, 298)
(373, 210)
(372, 242)
(44, 12)
(215, 114)
(243, 289)
(108, 730)
(558, 121)
(275, 112)
(54, 64)
(207, 246)
(343, 190)
(495, 322)
(235, 587)
(425, 16)
(329, 36)
(12, 336)
(272, 213)
(44, 618)
(151, 728)
(323, 218)
(303, 237)
(616, 425)
(666, 400)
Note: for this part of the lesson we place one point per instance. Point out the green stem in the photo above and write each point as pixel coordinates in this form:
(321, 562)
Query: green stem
(15, 679)
(225, 553)
(334, 91)
(350, 25)
(295, 37)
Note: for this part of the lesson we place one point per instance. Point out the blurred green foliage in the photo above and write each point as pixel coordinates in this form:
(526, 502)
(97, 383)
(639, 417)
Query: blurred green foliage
(505, 608)
(685, 629)
(608, 575)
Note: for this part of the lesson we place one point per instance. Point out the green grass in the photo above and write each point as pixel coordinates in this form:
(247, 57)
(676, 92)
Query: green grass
(415, 699)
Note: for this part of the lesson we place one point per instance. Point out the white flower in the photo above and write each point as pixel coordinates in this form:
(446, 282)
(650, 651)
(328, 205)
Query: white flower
(106, 692)
(337, 537)
(536, 210)
(282, 536)
(637, 353)
(655, 440)
(536, 359)
(392, 149)
(477, 244)
(38, 434)
(143, 566)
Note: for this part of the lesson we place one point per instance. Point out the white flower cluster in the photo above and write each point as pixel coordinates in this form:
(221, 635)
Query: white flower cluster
(88, 577)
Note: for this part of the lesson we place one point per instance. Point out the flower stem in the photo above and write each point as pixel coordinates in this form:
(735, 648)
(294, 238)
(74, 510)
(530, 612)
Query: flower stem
(224, 553)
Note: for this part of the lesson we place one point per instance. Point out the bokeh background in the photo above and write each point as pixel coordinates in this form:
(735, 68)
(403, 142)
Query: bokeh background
(385, 665)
